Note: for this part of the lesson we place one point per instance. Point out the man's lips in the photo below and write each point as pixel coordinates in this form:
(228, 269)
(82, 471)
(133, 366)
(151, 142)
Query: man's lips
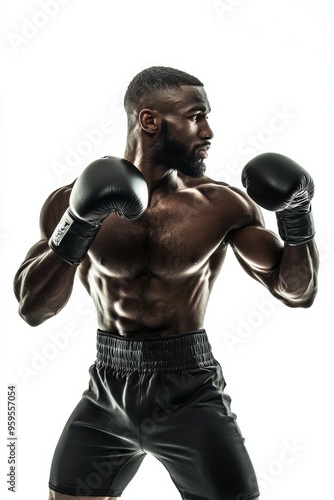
(203, 150)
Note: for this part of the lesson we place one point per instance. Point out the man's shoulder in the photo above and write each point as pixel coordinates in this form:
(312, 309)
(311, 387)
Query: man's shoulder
(58, 197)
(54, 207)
(227, 202)
(221, 192)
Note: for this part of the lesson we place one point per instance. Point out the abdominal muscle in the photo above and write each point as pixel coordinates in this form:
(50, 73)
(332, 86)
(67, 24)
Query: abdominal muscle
(153, 276)
(147, 305)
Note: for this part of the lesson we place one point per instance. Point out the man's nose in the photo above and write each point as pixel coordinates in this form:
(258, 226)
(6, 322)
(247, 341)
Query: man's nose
(206, 132)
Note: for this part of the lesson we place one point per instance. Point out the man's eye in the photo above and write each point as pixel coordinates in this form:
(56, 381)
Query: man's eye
(198, 117)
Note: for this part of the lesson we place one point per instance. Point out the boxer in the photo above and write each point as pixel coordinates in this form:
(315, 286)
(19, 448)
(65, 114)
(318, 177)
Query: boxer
(147, 235)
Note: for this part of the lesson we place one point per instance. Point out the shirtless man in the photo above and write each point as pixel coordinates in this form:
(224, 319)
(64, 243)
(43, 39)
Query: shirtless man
(147, 236)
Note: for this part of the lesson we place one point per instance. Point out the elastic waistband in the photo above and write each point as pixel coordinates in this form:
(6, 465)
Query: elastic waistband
(183, 352)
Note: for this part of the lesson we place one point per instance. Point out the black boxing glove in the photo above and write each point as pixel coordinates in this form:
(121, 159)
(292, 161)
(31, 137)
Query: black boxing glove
(277, 183)
(107, 185)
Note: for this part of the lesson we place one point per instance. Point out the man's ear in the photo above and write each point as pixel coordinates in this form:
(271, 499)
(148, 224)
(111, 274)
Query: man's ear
(149, 120)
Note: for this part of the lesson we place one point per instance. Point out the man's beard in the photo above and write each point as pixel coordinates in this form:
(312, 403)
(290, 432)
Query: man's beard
(174, 155)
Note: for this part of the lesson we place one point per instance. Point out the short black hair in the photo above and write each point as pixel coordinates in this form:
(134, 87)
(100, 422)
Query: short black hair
(156, 78)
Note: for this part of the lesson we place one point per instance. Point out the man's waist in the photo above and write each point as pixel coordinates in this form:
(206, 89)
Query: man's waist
(186, 351)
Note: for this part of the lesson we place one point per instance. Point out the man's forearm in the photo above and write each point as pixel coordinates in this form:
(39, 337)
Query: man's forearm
(43, 286)
(296, 281)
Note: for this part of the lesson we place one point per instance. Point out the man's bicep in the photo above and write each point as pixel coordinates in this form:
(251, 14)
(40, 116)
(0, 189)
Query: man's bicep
(50, 214)
(258, 250)
(52, 211)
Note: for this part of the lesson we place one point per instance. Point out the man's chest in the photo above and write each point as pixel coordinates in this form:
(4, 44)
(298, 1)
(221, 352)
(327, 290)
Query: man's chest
(166, 241)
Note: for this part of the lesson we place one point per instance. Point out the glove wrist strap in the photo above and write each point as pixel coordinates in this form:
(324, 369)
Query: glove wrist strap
(295, 226)
(72, 238)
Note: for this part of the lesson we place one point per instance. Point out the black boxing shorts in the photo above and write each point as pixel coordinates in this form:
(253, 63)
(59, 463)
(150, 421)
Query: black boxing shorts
(159, 396)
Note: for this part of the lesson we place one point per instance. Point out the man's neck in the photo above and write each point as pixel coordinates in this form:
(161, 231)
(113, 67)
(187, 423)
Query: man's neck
(157, 177)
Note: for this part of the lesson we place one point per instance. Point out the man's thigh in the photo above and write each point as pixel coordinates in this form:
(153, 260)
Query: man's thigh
(98, 452)
(199, 441)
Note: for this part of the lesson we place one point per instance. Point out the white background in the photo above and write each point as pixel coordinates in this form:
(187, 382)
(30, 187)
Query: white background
(64, 72)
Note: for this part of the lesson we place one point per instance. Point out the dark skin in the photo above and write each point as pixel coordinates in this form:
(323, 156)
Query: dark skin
(152, 277)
